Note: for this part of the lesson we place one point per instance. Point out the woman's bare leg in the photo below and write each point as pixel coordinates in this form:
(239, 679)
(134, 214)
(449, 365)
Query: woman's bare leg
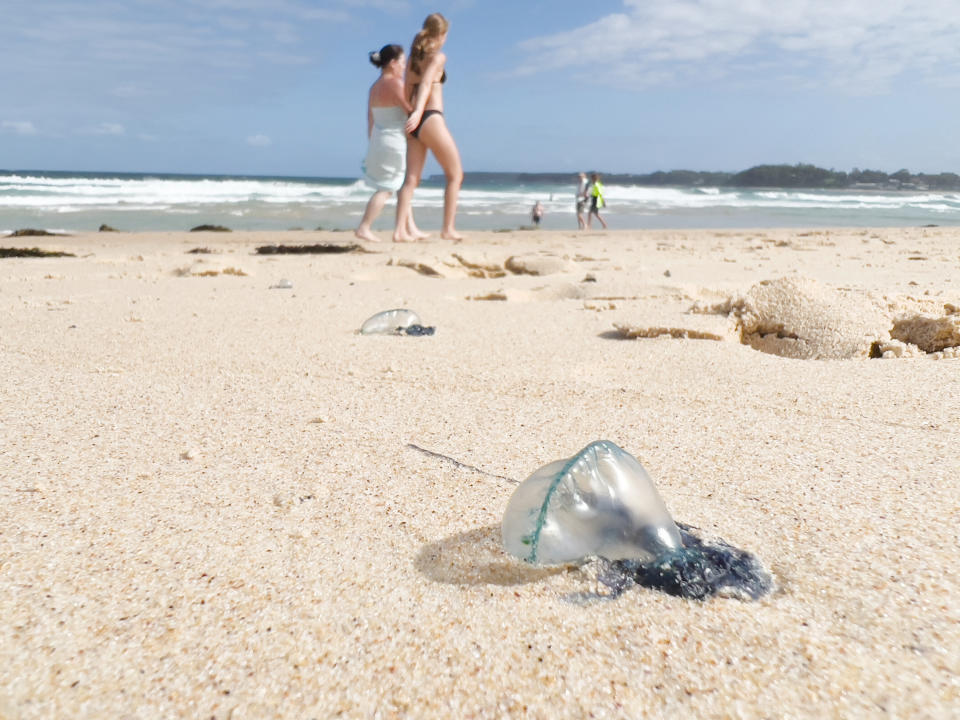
(436, 136)
(412, 228)
(374, 207)
(416, 158)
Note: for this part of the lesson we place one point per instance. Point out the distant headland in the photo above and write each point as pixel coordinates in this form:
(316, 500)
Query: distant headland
(759, 176)
(800, 176)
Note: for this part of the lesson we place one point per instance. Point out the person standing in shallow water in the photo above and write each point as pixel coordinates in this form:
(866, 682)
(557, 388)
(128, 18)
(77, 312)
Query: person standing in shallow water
(384, 167)
(427, 129)
(537, 213)
(595, 192)
(581, 200)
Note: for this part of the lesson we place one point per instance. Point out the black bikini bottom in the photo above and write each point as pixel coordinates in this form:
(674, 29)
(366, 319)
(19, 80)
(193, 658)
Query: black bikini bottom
(423, 119)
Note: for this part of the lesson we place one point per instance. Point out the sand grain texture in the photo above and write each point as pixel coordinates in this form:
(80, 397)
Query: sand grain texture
(210, 507)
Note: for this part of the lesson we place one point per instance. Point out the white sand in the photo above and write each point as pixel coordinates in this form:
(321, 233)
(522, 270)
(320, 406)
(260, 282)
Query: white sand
(210, 508)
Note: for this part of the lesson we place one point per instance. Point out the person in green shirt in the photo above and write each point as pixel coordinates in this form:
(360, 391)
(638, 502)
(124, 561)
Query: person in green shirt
(595, 192)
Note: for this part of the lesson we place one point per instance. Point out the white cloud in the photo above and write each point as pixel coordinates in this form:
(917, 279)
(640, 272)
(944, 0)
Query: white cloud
(151, 39)
(259, 141)
(862, 45)
(390, 6)
(298, 9)
(107, 129)
(128, 90)
(20, 127)
(279, 58)
(284, 33)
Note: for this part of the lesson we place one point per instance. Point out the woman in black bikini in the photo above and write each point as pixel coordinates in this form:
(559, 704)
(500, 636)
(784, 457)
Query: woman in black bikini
(427, 129)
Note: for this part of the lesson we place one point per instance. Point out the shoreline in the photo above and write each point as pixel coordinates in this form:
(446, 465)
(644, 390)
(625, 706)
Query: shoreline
(555, 221)
(480, 236)
(271, 205)
(213, 508)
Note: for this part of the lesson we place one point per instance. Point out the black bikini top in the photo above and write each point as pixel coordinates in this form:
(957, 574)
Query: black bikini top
(416, 86)
(443, 79)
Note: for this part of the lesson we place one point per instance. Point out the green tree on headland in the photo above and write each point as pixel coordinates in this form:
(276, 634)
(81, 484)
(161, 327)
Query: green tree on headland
(870, 177)
(789, 176)
(943, 181)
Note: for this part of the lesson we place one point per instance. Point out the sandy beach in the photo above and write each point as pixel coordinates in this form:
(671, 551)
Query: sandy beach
(220, 501)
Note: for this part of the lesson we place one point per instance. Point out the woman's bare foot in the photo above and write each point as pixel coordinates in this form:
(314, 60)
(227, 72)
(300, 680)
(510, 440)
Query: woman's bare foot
(365, 234)
(451, 235)
(398, 238)
(415, 232)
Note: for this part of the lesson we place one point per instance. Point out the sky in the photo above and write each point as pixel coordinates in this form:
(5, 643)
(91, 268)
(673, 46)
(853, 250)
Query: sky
(279, 87)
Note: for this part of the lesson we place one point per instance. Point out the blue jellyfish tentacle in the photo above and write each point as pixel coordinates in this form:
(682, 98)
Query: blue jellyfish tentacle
(542, 515)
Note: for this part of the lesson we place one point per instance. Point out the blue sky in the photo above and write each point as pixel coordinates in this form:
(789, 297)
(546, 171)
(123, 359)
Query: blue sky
(279, 86)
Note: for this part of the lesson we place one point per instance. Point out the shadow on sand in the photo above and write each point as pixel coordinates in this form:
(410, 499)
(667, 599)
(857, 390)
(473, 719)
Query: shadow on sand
(477, 557)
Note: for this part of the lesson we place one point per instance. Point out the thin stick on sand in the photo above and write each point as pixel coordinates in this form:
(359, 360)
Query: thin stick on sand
(462, 466)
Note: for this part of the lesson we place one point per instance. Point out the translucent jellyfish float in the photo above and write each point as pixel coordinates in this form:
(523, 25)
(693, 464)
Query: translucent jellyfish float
(395, 322)
(602, 503)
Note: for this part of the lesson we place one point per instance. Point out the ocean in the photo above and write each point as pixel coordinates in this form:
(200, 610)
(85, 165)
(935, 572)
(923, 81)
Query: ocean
(78, 202)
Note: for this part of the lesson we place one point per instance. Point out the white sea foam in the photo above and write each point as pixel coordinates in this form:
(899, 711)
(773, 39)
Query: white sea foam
(154, 202)
(19, 191)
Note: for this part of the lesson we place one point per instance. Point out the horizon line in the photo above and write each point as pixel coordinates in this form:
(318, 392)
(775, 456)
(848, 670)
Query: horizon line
(467, 173)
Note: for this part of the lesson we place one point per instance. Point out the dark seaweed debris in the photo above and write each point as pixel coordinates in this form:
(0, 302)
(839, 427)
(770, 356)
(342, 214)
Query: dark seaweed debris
(210, 228)
(318, 249)
(697, 571)
(33, 232)
(32, 252)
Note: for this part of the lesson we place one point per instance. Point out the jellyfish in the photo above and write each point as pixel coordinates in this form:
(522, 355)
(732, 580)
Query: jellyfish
(601, 503)
(395, 322)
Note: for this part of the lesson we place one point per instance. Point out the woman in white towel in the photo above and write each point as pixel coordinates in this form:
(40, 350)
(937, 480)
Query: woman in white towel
(384, 167)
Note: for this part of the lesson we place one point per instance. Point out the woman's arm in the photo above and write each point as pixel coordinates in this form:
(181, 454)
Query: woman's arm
(370, 112)
(431, 73)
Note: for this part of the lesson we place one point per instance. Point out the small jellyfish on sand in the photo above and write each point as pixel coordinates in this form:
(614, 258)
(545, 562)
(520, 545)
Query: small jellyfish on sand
(395, 322)
(602, 503)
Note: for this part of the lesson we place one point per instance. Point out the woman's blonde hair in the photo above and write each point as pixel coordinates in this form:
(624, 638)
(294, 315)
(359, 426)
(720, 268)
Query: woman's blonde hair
(427, 40)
